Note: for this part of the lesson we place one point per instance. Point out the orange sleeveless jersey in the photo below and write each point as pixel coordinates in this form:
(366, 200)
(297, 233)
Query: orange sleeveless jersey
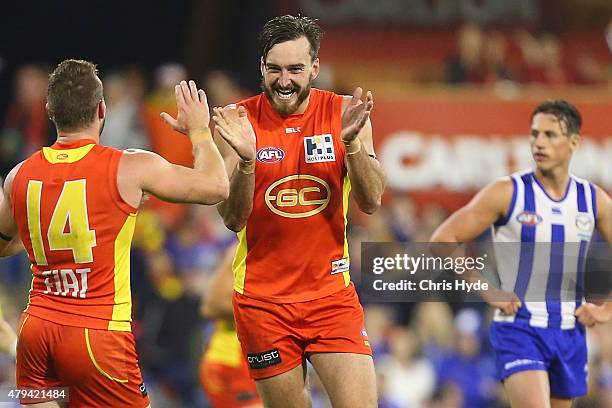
(77, 231)
(293, 247)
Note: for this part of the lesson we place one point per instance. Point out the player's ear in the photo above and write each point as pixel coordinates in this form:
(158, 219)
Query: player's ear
(101, 109)
(315, 69)
(262, 66)
(574, 142)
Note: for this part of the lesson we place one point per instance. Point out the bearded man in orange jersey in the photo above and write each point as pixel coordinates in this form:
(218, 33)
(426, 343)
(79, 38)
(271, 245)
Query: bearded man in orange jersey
(295, 154)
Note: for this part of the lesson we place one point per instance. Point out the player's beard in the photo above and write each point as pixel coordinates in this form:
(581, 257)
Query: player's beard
(283, 108)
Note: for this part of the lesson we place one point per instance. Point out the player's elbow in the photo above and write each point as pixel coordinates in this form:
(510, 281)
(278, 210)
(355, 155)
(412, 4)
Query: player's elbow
(234, 224)
(215, 192)
(370, 206)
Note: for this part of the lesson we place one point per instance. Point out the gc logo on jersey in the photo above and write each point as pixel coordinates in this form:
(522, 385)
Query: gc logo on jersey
(319, 149)
(298, 196)
(529, 218)
(270, 155)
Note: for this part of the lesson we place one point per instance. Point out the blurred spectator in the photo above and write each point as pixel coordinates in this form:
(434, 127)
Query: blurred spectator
(466, 66)
(403, 218)
(542, 59)
(222, 90)
(165, 141)
(27, 126)
(588, 70)
(431, 322)
(174, 147)
(123, 127)
(409, 378)
(467, 366)
(495, 58)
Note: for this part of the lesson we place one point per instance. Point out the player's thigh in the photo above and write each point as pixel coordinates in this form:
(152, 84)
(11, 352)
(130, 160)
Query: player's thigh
(49, 404)
(556, 402)
(348, 378)
(100, 367)
(528, 389)
(286, 390)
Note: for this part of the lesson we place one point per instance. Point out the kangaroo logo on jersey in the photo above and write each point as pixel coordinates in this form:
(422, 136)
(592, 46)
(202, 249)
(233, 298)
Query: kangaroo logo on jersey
(298, 196)
(584, 222)
(270, 155)
(529, 218)
(319, 149)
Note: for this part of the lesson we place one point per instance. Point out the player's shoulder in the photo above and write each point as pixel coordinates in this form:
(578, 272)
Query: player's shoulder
(249, 103)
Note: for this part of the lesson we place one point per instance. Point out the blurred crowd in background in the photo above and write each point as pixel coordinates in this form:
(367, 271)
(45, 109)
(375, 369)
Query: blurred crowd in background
(432, 354)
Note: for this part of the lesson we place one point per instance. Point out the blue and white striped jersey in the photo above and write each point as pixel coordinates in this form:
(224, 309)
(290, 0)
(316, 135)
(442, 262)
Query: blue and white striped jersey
(547, 277)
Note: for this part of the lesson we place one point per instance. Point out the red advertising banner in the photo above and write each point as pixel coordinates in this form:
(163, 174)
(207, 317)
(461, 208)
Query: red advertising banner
(460, 141)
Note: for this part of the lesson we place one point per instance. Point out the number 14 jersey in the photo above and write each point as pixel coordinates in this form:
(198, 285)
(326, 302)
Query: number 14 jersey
(77, 231)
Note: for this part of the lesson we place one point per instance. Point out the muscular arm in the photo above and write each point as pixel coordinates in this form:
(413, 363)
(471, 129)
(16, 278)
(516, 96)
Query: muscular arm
(236, 210)
(236, 139)
(489, 205)
(8, 226)
(217, 303)
(590, 314)
(141, 171)
(365, 172)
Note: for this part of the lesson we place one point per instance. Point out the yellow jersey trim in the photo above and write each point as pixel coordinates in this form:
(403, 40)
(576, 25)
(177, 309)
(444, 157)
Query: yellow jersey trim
(346, 190)
(95, 363)
(224, 346)
(239, 264)
(25, 319)
(54, 156)
(122, 310)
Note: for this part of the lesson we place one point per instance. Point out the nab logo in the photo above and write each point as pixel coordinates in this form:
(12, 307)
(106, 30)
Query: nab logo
(270, 155)
(298, 196)
(529, 218)
(61, 156)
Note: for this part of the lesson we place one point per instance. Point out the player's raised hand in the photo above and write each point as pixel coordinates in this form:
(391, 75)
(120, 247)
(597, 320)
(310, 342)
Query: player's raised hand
(356, 115)
(193, 112)
(589, 314)
(234, 126)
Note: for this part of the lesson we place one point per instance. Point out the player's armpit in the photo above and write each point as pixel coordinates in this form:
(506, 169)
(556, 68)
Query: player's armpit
(489, 205)
(604, 214)
(142, 171)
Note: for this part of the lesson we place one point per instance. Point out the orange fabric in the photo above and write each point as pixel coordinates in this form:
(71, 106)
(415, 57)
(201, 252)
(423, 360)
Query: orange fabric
(334, 323)
(53, 355)
(166, 142)
(107, 213)
(273, 271)
(228, 387)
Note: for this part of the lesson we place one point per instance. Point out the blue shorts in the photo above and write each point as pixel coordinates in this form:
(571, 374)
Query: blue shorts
(561, 353)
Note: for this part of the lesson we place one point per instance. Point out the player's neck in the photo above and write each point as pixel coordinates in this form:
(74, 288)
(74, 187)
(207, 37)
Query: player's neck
(67, 137)
(303, 106)
(554, 180)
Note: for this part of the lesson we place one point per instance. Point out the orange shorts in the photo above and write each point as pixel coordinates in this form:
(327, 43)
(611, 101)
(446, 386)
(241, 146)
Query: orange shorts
(228, 387)
(99, 367)
(276, 337)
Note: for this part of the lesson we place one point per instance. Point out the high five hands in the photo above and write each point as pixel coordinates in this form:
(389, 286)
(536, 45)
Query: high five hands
(356, 115)
(234, 127)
